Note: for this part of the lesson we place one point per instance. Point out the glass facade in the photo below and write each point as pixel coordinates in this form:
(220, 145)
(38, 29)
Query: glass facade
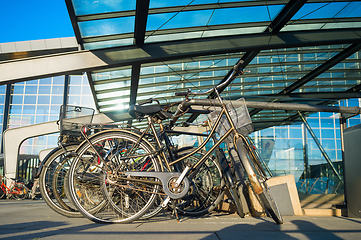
(292, 150)
(39, 101)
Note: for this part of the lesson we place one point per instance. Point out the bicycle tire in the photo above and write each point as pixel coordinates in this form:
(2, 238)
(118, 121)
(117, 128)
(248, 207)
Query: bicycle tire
(59, 184)
(87, 173)
(259, 180)
(21, 189)
(47, 190)
(207, 187)
(270, 204)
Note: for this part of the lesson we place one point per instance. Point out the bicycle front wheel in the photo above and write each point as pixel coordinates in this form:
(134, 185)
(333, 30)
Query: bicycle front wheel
(19, 191)
(52, 181)
(2, 193)
(92, 180)
(258, 180)
(270, 204)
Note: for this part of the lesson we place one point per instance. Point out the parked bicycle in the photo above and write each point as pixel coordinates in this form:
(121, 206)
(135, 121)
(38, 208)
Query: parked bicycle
(131, 176)
(17, 189)
(56, 164)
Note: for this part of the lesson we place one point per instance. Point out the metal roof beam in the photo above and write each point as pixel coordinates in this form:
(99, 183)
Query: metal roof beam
(74, 23)
(285, 15)
(316, 72)
(141, 16)
(82, 61)
(324, 67)
(134, 83)
(317, 95)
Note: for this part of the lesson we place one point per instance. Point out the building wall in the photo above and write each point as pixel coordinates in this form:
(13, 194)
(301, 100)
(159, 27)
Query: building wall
(39, 101)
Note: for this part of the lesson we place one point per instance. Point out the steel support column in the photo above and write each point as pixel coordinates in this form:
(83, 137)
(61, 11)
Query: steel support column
(66, 89)
(6, 113)
(327, 158)
(343, 126)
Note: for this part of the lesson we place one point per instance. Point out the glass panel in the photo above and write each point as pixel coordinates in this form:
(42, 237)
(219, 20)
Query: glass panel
(328, 10)
(108, 44)
(211, 17)
(17, 99)
(178, 20)
(245, 14)
(83, 7)
(44, 89)
(31, 89)
(18, 88)
(59, 80)
(30, 99)
(161, 4)
(43, 99)
(107, 27)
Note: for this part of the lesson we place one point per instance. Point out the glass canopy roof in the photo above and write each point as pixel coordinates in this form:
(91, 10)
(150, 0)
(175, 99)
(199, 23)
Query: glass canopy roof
(316, 73)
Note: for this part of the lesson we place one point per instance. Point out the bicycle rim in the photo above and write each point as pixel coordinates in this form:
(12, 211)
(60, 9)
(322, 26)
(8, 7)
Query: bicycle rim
(92, 181)
(46, 182)
(60, 187)
(206, 190)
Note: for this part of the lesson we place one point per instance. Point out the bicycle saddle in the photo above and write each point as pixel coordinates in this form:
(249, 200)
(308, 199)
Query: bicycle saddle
(137, 111)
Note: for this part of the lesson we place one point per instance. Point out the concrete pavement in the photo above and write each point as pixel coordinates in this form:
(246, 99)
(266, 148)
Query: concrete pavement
(28, 219)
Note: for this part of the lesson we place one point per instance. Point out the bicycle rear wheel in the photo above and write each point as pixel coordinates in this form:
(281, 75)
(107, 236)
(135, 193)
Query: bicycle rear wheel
(92, 181)
(207, 187)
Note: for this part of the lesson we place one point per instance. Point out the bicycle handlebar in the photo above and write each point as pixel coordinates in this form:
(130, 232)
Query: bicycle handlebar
(236, 71)
(181, 93)
(181, 107)
(150, 100)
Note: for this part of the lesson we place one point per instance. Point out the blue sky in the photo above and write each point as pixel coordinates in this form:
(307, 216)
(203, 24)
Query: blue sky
(23, 20)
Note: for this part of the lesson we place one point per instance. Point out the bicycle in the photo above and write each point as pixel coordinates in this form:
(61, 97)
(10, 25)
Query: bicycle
(55, 165)
(194, 205)
(135, 169)
(17, 190)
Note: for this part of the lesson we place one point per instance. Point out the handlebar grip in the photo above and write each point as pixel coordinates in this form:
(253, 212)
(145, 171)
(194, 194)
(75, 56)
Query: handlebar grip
(150, 100)
(181, 93)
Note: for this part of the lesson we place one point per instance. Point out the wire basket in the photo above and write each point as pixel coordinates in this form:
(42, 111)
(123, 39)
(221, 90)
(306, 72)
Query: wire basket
(240, 117)
(72, 118)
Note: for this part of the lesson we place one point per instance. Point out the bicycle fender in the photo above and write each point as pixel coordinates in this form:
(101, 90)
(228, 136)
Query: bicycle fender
(252, 177)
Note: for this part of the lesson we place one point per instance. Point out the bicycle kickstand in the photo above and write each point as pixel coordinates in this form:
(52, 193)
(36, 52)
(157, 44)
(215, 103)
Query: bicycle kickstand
(175, 213)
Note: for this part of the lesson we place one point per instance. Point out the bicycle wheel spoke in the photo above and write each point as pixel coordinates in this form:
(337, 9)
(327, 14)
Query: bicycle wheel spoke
(99, 177)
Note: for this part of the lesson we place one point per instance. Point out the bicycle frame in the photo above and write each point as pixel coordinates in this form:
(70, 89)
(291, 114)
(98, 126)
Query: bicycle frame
(189, 171)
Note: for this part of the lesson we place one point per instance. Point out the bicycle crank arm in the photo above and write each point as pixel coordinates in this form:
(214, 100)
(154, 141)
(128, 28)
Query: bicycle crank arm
(169, 182)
